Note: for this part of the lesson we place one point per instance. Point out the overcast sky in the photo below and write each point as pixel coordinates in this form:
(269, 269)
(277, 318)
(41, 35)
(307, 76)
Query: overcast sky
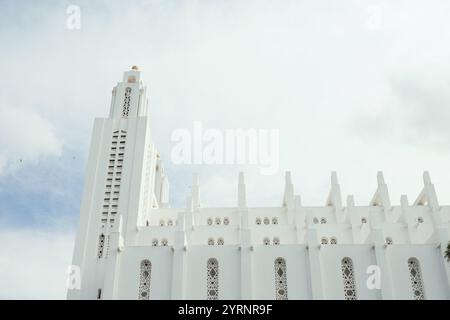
(352, 86)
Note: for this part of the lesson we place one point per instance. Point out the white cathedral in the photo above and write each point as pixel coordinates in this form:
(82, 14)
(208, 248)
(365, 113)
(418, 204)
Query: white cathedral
(131, 245)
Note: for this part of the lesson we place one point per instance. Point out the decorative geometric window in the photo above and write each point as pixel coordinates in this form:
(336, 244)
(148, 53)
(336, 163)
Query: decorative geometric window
(323, 220)
(266, 241)
(389, 241)
(101, 244)
(218, 221)
(258, 221)
(161, 223)
(333, 240)
(226, 221)
(144, 280)
(274, 221)
(280, 279)
(349, 279)
(220, 242)
(210, 241)
(164, 242)
(170, 223)
(324, 240)
(209, 221)
(276, 241)
(363, 220)
(126, 102)
(212, 268)
(155, 242)
(416, 279)
(266, 221)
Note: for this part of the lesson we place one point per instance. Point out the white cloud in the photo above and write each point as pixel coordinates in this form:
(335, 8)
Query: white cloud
(25, 136)
(33, 263)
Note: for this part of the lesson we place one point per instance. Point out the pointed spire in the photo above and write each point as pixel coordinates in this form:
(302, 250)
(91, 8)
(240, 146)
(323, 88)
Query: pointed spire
(380, 178)
(288, 198)
(189, 204)
(381, 196)
(195, 192)
(334, 197)
(350, 201)
(242, 199)
(426, 178)
(297, 201)
(404, 201)
(428, 194)
(334, 179)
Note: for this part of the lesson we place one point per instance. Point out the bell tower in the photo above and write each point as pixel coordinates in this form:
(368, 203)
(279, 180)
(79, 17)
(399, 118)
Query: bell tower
(129, 97)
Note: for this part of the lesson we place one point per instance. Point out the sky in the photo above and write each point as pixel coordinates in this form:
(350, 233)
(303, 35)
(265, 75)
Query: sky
(352, 86)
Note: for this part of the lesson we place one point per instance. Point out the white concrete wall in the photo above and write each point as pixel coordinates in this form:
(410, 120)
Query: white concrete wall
(228, 258)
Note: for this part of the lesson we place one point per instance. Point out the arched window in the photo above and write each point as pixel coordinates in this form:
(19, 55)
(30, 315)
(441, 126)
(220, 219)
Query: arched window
(333, 240)
(144, 280)
(315, 221)
(210, 241)
(218, 221)
(416, 279)
(266, 221)
(220, 242)
(274, 220)
(266, 241)
(324, 240)
(348, 278)
(101, 244)
(258, 221)
(323, 220)
(164, 242)
(226, 221)
(276, 241)
(363, 220)
(161, 223)
(155, 242)
(170, 222)
(212, 268)
(420, 220)
(280, 279)
(209, 221)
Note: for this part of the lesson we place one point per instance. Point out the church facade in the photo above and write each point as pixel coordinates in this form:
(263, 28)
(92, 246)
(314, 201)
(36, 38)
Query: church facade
(131, 245)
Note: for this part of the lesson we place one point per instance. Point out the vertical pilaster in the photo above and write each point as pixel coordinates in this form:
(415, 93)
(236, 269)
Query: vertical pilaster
(387, 292)
(315, 265)
(246, 266)
(112, 263)
(178, 263)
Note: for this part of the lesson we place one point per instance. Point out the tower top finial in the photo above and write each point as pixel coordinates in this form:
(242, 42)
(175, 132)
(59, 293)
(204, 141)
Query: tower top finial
(135, 68)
